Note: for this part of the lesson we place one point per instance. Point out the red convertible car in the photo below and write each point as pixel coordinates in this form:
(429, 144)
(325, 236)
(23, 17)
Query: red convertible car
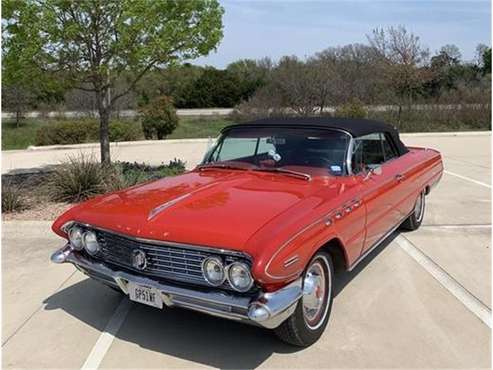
(258, 231)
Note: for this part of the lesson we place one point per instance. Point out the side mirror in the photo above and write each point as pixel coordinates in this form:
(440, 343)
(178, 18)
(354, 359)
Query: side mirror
(376, 170)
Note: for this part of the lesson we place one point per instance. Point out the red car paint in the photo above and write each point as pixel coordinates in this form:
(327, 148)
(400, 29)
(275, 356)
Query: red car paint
(272, 217)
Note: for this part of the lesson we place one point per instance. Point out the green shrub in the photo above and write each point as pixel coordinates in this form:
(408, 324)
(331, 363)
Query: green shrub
(125, 131)
(126, 174)
(159, 118)
(85, 131)
(76, 179)
(82, 177)
(352, 109)
(66, 132)
(119, 177)
(12, 199)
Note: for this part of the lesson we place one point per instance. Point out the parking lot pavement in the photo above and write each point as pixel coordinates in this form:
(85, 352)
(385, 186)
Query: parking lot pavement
(392, 311)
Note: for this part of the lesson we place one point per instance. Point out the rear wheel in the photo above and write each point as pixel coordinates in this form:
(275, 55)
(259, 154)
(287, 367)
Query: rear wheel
(310, 318)
(415, 219)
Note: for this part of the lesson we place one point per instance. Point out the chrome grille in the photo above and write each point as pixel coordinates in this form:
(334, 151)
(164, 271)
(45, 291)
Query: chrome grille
(163, 261)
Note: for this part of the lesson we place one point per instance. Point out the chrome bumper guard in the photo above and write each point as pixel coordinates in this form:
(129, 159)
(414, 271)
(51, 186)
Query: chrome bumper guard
(267, 309)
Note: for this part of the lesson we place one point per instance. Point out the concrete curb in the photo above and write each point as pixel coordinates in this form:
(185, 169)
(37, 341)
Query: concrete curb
(113, 144)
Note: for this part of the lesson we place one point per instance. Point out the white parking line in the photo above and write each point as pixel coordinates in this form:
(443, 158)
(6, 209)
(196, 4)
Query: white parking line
(459, 226)
(104, 341)
(468, 179)
(472, 303)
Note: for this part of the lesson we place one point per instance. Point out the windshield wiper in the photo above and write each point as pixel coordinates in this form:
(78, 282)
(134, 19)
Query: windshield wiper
(220, 165)
(302, 175)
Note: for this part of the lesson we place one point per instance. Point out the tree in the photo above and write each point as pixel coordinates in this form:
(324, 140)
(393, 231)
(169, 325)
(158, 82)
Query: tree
(95, 42)
(214, 88)
(295, 81)
(445, 69)
(478, 57)
(402, 58)
(346, 73)
(486, 61)
(159, 118)
(22, 83)
(251, 75)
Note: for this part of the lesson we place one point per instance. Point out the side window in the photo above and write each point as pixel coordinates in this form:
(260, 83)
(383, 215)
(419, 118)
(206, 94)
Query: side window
(357, 164)
(388, 150)
(367, 152)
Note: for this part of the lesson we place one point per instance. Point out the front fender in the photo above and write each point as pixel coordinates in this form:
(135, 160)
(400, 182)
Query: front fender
(288, 261)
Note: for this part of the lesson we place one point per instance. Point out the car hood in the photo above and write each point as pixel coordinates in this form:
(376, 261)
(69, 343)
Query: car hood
(218, 208)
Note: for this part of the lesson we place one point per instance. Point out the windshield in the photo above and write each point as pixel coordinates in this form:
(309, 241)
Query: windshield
(280, 147)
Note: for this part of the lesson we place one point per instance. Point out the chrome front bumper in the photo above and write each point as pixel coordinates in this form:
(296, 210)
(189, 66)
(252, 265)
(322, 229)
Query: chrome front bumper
(268, 310)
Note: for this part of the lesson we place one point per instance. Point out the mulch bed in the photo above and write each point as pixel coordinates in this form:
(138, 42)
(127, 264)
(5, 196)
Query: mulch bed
(39, 207)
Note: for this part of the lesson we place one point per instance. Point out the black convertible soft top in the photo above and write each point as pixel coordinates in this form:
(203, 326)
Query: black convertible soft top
(356, 127)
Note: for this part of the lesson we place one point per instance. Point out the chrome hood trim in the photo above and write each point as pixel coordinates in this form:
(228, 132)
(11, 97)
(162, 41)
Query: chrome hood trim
(157, 210)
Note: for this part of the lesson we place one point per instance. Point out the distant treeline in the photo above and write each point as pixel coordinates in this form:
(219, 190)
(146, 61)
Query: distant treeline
(393, 68)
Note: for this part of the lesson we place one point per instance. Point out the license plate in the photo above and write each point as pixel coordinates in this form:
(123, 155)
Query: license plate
(145, 295)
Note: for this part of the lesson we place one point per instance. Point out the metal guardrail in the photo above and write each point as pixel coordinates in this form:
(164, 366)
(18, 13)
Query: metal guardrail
(122, 113)
(221, 111)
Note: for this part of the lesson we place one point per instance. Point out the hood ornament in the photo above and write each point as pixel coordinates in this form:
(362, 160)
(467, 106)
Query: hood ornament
(155, 211)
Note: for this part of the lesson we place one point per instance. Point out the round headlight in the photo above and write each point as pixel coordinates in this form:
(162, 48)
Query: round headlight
(75, 237)
(239, 276)
(213, 271)
(90, 242)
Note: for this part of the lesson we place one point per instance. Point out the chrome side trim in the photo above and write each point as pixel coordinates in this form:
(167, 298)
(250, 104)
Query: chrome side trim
(284, 245)
(212, 250)
(377, 243)
(265, 309)
(328, 219)
(292, 260)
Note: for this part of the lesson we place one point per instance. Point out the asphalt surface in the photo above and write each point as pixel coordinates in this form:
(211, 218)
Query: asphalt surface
(421, 300)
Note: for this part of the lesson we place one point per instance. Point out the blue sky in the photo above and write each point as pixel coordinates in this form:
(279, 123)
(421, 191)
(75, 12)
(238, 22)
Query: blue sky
(254, 29)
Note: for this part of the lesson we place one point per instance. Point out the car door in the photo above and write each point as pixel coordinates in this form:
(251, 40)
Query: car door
(398, 167)
(379, 177)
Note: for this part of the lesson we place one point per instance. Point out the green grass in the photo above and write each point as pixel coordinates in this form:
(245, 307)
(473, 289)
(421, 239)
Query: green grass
(190, 127)
(19, 137)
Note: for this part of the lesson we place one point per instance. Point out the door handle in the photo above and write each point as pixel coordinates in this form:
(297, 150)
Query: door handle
(399, 177)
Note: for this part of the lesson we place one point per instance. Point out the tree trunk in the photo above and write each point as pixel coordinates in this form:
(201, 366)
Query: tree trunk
(104, 135)
(104, 108)
(17, 118)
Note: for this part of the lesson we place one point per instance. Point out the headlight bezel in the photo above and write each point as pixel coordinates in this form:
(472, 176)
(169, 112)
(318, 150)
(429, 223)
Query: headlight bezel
(220, 264)
(247, 269)
(70, 232)
(92, 234)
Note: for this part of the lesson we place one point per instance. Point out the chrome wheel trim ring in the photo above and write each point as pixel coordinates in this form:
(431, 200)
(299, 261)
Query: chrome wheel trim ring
(316, 292)
(419, 207)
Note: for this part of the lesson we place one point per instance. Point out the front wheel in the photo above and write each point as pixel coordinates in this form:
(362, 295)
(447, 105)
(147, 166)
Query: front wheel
(310, 318)
(416, 218)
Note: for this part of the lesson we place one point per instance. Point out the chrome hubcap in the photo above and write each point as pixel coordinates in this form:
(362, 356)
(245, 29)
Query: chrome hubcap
(314, 295)
(419, 207)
